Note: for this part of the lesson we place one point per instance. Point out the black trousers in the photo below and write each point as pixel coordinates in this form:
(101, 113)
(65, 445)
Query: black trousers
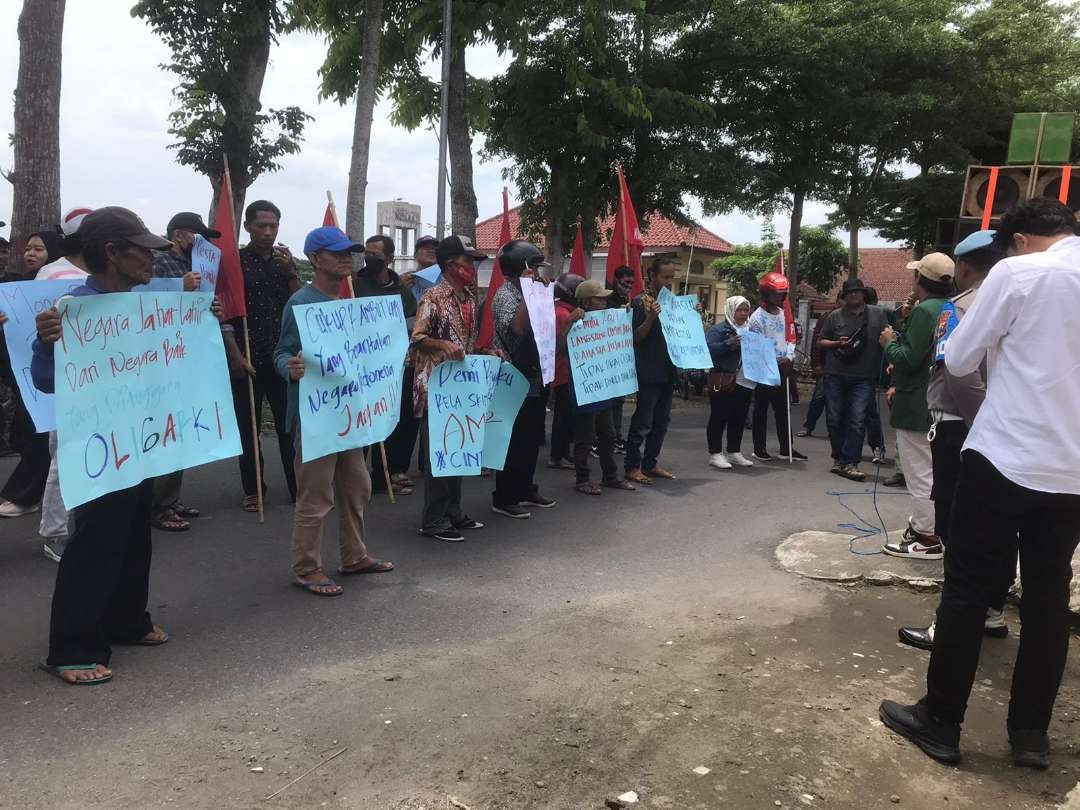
(402, 442)
(596, 428)
(26, 484)
(562, 422)
(992, 519)
(269, 386)
(774, 396)
(103, 582)
(514, 482)
(727, 414)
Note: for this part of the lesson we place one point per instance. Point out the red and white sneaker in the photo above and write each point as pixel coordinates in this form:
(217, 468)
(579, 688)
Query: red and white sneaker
(916, 546)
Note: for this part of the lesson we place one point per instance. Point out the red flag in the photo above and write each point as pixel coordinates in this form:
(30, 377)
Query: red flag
(577, 257)
(487, 322)
(789, 318)
(330, 218)
(626, 240)
(230, 284)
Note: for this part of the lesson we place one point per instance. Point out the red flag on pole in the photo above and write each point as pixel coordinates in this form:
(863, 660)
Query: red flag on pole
(577, 257)
(487, 322)
(330, 218)
(626, 240)
(230, 284)
(789, 318)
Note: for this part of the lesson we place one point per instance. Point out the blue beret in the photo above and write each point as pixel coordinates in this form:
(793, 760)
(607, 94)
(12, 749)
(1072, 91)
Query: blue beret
(977, 241)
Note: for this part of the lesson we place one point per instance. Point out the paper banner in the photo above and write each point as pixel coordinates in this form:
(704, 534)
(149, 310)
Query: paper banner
(21, 301)
(205, 260)
(354, 357)
(142, 389)
(540, 301)
(683, 331)
(759, 358)
(508, 393)
(601, 347)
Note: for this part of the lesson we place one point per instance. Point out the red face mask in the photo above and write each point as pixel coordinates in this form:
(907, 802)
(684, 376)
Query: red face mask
(465, 276)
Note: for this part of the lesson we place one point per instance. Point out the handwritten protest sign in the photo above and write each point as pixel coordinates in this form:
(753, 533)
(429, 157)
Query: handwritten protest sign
(142, 389)
(205, 260)
(683, 332)
(601, 347)
(21, 301)
(472, 405)
(759, 358)
(161, 285)
(540, 301)
(354, 357)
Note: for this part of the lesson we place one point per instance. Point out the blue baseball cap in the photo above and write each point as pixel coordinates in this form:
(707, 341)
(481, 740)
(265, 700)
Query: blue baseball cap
(331, 238)
(976, 241)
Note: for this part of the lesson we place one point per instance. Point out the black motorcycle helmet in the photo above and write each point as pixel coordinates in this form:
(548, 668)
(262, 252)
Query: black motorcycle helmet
(518, 254)
(566, 287)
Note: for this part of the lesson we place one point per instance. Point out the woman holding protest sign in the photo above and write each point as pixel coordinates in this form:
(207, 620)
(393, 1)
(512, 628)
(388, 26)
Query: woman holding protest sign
(730, 392)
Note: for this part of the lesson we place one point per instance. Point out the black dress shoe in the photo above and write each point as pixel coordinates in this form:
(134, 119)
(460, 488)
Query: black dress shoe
(920, 637)
(1030, 749)
(937, 740)
(895, 480)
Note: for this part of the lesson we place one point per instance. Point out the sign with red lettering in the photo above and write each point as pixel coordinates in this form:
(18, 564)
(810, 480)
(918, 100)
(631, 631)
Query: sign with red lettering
(142, 389)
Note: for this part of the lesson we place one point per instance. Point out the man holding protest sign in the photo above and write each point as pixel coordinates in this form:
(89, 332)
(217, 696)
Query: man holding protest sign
(656, 379)
(515, 488)
(446, 329)
(102, 585)
(338, 480)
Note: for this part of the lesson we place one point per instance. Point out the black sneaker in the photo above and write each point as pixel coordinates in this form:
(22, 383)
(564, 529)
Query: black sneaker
(594, 451)
(762, 455)
(539, 501)
(939, 741)
(895, 480)
(1030, 749)
(467, 523)
(512, 510)
(795, 454)
(447, 535)
(620, 447)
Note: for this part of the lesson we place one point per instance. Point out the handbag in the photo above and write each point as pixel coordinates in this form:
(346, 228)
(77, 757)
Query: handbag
(721, 381)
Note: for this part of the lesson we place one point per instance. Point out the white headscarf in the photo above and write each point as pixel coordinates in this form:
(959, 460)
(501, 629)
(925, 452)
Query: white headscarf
(730, 307)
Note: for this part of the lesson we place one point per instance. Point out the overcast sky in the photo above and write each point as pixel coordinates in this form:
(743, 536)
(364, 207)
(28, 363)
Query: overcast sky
(113, 134)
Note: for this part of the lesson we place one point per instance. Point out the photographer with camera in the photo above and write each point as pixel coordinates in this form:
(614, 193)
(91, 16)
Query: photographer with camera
(849, 341)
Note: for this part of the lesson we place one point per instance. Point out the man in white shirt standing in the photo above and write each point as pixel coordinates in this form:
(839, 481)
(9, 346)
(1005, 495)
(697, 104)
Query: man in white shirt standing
(1019, 486)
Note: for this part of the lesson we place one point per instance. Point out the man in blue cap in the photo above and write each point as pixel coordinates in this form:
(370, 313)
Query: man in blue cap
(953, 402)
(338, 480)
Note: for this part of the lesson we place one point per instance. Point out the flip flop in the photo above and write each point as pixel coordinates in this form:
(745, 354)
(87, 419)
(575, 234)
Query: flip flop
(626, 486)
(58, 672)
(170, 522)
(377, 567)
(186, 511)
(152, 642)
(639, 478)
(660, 472)
(311, 586)
(588, 489)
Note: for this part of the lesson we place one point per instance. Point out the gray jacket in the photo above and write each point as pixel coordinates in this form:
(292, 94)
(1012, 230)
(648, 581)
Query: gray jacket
(959, 396)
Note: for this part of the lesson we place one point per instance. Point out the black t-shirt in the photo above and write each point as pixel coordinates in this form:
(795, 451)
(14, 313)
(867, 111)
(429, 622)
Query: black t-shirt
(842, 323)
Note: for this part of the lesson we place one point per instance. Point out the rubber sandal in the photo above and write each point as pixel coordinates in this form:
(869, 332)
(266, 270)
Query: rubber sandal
(251, 503)
(660, 472)
(638, 477)
(625, 486)
(186, 511)
(150, 642)
(310, 587)
(588, 489)
(377, 567)
(58, 672)
(170, 522)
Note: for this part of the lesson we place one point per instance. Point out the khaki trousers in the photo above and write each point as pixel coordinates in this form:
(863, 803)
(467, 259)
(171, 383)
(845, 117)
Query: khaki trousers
(338, 480)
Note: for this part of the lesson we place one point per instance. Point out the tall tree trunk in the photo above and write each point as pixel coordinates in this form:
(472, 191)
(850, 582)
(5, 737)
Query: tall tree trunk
(853, 247)
(463, 211)
(366, 95)
(36, 173)
(798, 199)
(555, 205)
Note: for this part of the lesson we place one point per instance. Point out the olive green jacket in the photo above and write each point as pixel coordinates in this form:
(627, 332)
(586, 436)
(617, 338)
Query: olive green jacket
(910, 355)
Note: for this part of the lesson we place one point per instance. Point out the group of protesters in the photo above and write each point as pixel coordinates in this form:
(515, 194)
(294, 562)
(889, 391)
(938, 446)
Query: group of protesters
(991, 469)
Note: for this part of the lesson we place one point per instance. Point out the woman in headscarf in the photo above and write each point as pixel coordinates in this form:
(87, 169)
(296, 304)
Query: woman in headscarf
(26, 484)
(730, 392)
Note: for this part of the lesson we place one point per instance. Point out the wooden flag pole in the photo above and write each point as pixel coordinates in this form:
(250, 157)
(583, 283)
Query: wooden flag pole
(256, 449)
(352, 293)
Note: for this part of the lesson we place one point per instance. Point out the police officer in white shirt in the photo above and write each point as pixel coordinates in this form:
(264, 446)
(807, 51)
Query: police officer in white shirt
(1019, 486)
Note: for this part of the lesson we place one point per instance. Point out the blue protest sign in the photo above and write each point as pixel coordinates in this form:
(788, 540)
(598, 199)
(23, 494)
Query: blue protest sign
(601, 347)
(142, 389)
(354, 358)
(759, 358)
(459, 401)
(683, 331)
(430, 274)
(205, 260)
(161, 285)
(509, 391)
(21, 301)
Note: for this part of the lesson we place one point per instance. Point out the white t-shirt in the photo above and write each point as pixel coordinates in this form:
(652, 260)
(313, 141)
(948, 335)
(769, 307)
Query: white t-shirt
(1023, 322)
(60, 270)
(773, 327)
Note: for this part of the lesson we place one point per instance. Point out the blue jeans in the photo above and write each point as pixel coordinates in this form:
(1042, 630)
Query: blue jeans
(847, 400)
(649, 423)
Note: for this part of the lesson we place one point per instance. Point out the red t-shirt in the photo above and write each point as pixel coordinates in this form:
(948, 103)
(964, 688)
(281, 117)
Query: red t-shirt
(562, 357)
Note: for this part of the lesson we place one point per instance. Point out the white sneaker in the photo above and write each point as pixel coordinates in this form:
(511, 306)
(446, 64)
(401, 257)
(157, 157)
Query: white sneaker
(718, 462)
(739, 460)
(12, 510)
